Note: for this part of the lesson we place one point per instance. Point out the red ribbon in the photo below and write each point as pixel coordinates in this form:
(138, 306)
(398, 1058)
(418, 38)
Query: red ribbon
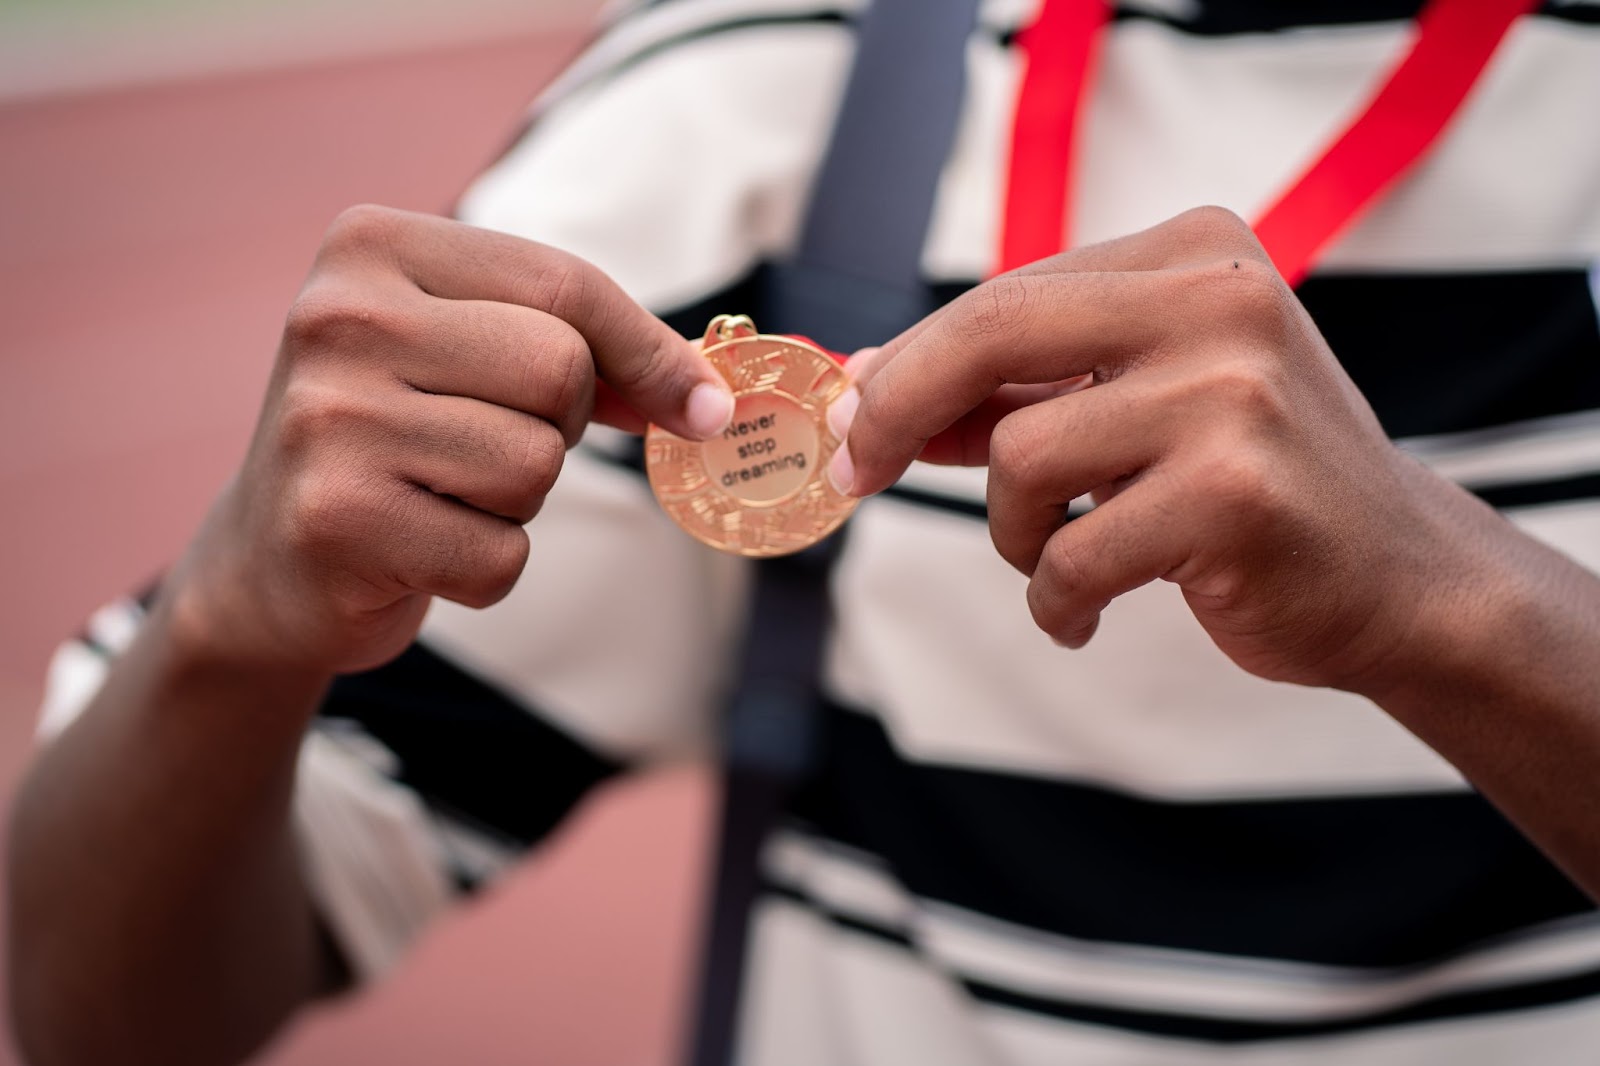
(1058, 50)
(1454, 42)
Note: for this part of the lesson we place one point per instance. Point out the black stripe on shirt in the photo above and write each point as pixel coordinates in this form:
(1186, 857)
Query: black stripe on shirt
(144, 599)
(1238, 1030)
(1371, 881)
(467, 747)
(1224, 17)
(1449, 353)
(877, 930)
(1213, 1029)
(743, 296)
(1221, 17)
(1584, 14)
(939, 501)
(1432, 353)
(1535, 493)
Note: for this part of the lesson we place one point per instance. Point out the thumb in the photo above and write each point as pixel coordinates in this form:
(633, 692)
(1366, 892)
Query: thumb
(662, 376)
(646, 363)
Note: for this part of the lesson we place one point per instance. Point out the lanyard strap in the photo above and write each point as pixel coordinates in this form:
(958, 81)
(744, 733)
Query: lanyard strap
(1454, 42)
(856, 276)
(855, 280)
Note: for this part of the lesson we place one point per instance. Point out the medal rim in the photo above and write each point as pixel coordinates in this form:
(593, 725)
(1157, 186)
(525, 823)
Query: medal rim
(827, 444)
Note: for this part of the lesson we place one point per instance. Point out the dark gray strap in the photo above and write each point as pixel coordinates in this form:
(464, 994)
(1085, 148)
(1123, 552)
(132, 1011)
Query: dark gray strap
(856, 280)
(769, 742)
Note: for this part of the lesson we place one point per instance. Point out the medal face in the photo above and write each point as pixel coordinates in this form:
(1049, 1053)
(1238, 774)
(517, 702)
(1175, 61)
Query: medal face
(758, 489)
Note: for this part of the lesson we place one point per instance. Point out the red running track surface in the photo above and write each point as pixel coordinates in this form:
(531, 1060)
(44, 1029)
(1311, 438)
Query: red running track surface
(150, 241)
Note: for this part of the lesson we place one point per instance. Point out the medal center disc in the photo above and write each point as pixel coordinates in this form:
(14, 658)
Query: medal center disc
(767, 454)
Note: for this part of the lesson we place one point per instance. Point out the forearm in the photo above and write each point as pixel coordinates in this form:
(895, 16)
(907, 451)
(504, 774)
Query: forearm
(1507, 685)
(158, 912)
(157, 892)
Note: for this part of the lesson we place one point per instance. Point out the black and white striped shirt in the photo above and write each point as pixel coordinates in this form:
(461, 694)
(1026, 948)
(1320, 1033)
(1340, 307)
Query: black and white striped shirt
(1132, 854)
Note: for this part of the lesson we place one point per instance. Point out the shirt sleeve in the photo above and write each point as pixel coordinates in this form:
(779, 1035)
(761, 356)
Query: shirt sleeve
(453, 780)
(677, 154)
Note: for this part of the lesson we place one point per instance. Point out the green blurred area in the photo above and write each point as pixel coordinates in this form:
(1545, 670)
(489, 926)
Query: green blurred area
(53, 6)
(50, 16)
(136, 8)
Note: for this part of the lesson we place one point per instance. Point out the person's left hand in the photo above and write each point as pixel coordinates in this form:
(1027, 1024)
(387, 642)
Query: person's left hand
(1228, 450)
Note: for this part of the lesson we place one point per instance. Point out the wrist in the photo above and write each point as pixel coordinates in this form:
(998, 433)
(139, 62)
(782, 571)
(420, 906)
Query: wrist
(1460, 648)
(213, 622)
(207, 632)
(1470, 612)
(181, 689)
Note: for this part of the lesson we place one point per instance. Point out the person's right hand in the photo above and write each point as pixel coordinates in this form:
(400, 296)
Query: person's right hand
(430, 380)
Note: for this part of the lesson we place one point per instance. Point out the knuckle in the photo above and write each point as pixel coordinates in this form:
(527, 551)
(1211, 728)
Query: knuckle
(1263, 308)
(362, 227)
(1211, 224)
(1049, 592)
(1016, 450)
(652, 372)
(313, 413)
(1013, 538)
(1063, 567)
(1246, 388)
(338, 320)
(498, 560)
(994, 308)
(1042, 604)
(506, 559)
(315, 318)
(565, 286)
(323, 513)
(1239, 480)
(1258, 291)
(566, 360)
(536, 458)
(1244, 299)
(1257, 274)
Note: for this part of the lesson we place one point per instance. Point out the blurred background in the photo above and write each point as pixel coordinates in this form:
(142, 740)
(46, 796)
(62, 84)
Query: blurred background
(166, 170)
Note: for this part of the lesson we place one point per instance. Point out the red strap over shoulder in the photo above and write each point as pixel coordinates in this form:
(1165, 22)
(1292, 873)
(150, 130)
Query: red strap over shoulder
(1058, 52)
(1454, 43)
(1455, 40)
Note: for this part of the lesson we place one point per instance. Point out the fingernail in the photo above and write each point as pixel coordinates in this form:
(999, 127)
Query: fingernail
(842, 470)
(842, 412)
(709, 411)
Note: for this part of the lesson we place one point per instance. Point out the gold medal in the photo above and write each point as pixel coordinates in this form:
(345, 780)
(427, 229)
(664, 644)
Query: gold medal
(759, 489)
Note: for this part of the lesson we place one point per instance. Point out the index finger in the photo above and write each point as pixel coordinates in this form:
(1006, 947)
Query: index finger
(1199, 235)
(650, 366)
(1020, 329)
